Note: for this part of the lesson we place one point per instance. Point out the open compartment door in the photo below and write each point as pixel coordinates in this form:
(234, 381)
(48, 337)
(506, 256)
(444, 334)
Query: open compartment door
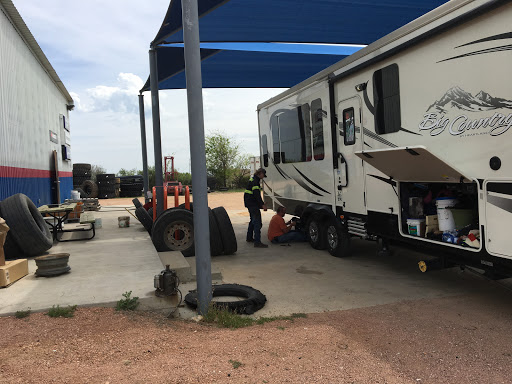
(414, 164)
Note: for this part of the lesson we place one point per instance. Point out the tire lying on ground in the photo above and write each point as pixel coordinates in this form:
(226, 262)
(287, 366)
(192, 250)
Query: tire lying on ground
(90, 188)
(227, 233)
(26, 224)
(174, 231)
(253, 301)
(144, 218)
(11, 249)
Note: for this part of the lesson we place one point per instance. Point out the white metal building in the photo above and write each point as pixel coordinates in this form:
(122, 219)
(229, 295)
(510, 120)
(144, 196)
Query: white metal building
(34, 117)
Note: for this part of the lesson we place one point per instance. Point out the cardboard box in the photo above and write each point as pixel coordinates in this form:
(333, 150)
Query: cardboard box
(4, 228)
(431, 220)
(12, 271)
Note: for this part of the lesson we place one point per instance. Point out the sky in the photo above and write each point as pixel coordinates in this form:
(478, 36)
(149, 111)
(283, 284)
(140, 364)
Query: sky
(99, 49)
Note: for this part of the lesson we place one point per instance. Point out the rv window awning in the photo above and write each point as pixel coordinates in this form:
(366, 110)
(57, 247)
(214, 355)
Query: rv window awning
(415, 164)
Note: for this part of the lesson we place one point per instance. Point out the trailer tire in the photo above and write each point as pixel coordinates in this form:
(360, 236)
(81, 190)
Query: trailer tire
(144, 218)
(90, 188)
(216, 246)
(338, 239)
(227, 233)
(254, 299)
(316, 232)
(26, 224)
(170, 224)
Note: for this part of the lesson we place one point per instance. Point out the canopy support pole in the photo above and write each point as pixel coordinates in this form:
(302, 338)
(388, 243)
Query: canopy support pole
(197, 152)
(157, 139)
(144, 146)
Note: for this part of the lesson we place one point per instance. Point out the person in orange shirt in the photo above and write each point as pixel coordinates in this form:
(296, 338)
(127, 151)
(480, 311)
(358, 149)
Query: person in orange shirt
(281, 232)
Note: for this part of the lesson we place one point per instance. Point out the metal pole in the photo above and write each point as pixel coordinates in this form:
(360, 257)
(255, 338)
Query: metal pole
(157, 139)
(197, 152)
(144, 146)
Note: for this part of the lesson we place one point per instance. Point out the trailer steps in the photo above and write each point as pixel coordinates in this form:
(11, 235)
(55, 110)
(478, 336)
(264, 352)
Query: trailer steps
(357, 227)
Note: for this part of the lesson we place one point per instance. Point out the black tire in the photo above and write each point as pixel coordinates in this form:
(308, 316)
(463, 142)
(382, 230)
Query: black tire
(81, 166)
(105, 176)
(174, 231)
(216, 246)
(90, 188)
(137, 203)
(183, 206)
(338, 239)
(227, 233)
(144, 218)
(11, 249)
(316, 232)
(82, 192)
(150, 212)
(254, 299)
(26, 224)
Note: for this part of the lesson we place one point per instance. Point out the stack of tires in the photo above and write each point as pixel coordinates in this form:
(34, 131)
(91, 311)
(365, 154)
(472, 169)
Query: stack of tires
(131, 186)
(81, 173)
(118, 186)
(173, 230)
(106, 185)
(28, 234)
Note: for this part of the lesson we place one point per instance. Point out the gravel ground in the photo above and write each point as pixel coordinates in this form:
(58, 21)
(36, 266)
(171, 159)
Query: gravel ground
(449, 340)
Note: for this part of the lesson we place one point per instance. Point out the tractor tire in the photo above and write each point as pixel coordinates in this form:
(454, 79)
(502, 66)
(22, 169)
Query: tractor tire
(144, 218)
(216, 247)
(254, 299)
(26, 224)
(227, 233)
(90, 188)
(174, 231)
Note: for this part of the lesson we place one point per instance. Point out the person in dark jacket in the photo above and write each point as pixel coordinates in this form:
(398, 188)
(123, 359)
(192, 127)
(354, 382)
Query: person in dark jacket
(253, 202)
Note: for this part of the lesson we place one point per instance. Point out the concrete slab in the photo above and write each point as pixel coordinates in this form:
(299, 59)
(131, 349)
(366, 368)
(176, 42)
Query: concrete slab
(117, 260)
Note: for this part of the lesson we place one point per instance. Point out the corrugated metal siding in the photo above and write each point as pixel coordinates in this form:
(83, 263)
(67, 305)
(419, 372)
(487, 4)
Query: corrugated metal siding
(30, 106)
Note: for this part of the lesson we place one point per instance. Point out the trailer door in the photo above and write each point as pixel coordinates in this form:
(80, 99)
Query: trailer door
(349, 178)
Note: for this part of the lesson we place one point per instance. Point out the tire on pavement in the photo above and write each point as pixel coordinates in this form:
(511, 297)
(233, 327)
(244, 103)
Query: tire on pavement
(90, 188)
(227, 233)
(11, 249)
(316, 232)
(338, 239)
(26, 224)
(174, 231)
(253, 300)
(144, 218)
(215, 239)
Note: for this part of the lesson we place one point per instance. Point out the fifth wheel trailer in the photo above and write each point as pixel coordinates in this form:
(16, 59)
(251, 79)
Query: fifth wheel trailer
(420, 118)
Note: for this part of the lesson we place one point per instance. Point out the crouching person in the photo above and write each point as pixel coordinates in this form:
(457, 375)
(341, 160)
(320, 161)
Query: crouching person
(281, 232)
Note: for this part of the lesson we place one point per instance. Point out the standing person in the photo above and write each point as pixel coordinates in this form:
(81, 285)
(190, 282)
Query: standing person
(281, 232)
(253, 202)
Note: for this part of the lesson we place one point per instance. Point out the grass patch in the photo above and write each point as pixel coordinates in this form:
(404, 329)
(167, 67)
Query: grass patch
(128, 303)
(57, 311)
(236, 364)
(224, 318)
(22, 314)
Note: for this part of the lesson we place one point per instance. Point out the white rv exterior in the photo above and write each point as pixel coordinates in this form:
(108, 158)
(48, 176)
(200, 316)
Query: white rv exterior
(430, 103)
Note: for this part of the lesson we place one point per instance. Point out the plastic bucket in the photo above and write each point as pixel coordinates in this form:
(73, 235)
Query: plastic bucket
(123, 221)
(416, 227)
(444, 215)
(75, 195)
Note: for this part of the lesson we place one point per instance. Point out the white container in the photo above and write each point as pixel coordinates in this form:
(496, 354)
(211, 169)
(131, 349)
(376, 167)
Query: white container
(416, 227)
(444, 215)
(75, 195)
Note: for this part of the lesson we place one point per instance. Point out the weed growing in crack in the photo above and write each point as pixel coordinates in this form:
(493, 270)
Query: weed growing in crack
(57, 311)
(128, 303)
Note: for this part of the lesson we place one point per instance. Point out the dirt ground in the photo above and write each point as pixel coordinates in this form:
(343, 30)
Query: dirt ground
(229, 200)
(449, 340)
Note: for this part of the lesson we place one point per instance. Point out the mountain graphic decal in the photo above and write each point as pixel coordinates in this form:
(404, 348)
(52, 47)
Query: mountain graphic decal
(458, 99)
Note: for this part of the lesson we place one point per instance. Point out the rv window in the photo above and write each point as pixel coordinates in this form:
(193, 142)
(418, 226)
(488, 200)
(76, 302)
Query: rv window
(274, 128)
(264, 149)
(317, 115)
(306, 117)
(291, 134)
(386, 98)
(349, 126)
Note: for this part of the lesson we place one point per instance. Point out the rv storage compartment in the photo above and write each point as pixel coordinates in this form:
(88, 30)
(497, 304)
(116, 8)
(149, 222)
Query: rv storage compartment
(445, 212)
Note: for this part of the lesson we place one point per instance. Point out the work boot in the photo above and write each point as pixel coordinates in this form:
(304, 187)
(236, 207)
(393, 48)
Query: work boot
(260, 245)
(250, 240)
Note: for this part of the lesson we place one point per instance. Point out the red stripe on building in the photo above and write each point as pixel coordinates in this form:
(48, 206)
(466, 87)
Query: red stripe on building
(30, 173)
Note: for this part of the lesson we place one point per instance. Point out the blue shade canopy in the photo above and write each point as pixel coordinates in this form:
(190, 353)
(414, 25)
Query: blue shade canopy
(307, 21)
(238, 68)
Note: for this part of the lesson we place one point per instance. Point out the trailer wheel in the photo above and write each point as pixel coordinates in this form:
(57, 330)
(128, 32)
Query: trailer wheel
(227, 233)
(174, 231)
(316, 232)
(26, 224)
(144, 218)
(338, 239)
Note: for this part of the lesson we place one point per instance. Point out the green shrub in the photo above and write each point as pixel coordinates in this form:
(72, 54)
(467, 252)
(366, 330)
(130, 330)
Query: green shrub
(57, 311)
(22, 314)
(128, 303)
